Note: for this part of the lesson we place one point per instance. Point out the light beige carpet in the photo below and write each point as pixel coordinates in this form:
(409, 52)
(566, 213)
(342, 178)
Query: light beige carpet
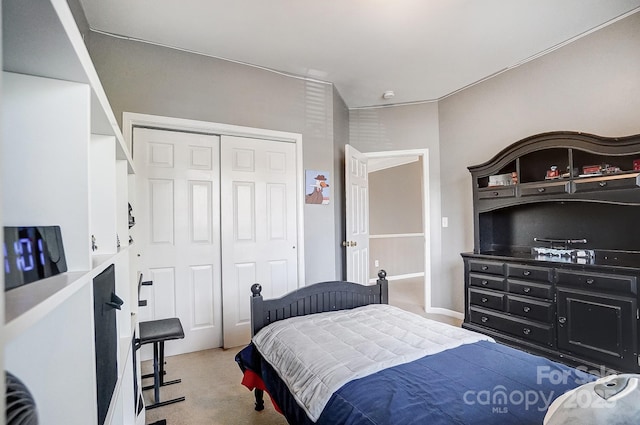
(214, 395)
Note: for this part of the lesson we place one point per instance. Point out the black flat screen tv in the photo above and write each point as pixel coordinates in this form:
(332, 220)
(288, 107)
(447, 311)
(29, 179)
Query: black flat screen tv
(106, 339)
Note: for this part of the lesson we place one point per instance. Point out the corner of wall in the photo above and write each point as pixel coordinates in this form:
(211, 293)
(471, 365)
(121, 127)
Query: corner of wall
(81, 19)
(340, 139)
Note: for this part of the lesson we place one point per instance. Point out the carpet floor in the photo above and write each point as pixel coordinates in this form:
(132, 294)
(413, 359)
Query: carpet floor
(211, 386)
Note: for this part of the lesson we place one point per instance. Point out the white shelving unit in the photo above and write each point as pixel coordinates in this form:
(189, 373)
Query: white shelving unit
(64, 162)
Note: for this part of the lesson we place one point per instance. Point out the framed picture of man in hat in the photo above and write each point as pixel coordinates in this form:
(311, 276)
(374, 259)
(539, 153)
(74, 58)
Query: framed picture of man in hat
(316, 187)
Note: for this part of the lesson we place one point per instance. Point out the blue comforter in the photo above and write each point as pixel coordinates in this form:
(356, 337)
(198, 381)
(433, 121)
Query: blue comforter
(480, 383)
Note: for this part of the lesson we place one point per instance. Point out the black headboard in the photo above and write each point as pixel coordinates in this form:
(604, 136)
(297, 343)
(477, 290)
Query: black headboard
(316, 298)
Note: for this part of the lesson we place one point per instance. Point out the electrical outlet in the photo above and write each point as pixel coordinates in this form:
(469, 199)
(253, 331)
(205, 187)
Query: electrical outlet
(376, 263)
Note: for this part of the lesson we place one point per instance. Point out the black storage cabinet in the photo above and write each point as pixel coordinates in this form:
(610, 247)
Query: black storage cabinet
(581, 191)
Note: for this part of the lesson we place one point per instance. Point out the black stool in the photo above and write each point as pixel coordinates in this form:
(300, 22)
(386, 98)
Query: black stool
(157, 332)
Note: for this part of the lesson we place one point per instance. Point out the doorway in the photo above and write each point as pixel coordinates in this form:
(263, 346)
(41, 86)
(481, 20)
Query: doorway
(399, 221)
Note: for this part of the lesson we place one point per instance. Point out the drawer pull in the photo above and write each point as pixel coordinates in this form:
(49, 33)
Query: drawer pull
(526, 289)
(526, 309)
(541, 189)
(590, 281)
(526, 272)
(496, 193)
(485, 268)
(484, 282)
(484, 319)
(602, 184)
(562, 320)
(484, 300)
(526, 331)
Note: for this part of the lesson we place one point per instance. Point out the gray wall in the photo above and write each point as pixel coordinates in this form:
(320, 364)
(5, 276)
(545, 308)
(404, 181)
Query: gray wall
(591, 85)
(397, 256)
(149, 79)
(79, 17)
(340, 139)
(395, 199)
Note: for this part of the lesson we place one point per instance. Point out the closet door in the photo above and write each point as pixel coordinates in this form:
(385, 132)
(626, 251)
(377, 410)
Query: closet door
(178, 216)
(259, 227)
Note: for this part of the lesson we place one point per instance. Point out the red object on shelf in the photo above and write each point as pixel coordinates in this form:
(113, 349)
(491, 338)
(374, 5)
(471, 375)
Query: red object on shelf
(591, 169)
(636, 165)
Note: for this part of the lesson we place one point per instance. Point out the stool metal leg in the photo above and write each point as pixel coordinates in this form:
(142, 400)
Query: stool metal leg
(164, 372)
(161, 373)
(158, 377)
(161, 344)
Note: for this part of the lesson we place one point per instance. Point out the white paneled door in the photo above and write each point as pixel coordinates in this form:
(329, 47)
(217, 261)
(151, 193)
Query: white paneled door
(259, 231)
(178, 214)
(357, 215)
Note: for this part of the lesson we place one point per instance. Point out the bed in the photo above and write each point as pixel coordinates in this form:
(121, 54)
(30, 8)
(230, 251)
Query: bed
(337, 353)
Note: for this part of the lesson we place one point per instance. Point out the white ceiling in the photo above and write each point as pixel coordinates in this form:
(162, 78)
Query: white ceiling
(421, 49)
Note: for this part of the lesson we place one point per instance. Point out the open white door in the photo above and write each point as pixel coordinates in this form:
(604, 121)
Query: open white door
(357, 219)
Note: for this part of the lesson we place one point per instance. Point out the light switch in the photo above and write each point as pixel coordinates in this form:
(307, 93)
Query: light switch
(445, 221)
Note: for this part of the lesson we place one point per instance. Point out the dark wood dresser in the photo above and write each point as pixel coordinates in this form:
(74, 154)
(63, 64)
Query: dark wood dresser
(556, 259)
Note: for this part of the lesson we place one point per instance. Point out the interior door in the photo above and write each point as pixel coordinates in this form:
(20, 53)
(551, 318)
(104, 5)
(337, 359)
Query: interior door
(259, 227)
(357, 215)
(178, 230)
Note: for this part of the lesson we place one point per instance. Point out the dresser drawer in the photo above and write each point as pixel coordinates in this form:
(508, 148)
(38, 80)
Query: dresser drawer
(531, 309)
(530, 289)
(488, 282)
(524, 329)
(598, 281)
(529, 272)
(539, 189)
(487, 299)
(491, 267)
(497, 192)
(631, 181)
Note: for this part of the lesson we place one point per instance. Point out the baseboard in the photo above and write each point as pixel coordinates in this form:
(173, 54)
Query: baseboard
(445, 312)
(400, 277)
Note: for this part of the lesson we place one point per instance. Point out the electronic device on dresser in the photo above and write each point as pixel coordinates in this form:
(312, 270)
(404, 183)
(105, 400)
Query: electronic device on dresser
(32, 253)
(556, 259)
